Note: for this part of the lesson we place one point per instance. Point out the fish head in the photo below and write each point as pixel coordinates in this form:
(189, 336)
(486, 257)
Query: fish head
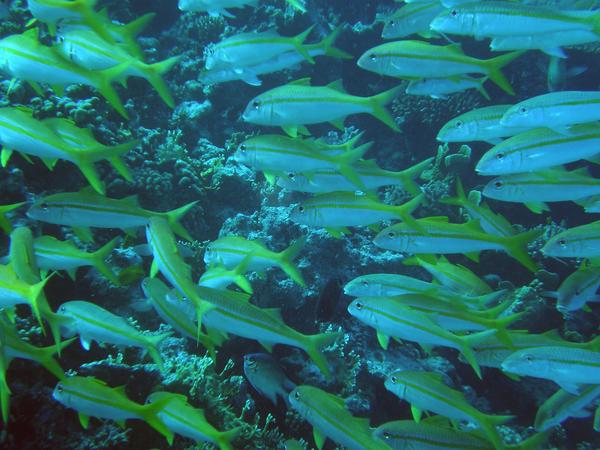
(454, 21)
(246, 153)
(60, 394)
(395, 384)
(525, 362)
(498, 161)
(46, 210)
(211, 256)
(500, 189)
(523, 114)
(299, 399)
(392, 27)
(259, 111)
(303, 215)
(457, 130)
(391, 239)
(375, 60)
(362, 286)
(562, 245)
(292, 181)
(359, 309)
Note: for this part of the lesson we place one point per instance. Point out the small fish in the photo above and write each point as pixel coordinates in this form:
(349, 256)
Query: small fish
(89, 50)
(338, 210)
(266, 376)
(93, 323)
(578, 242)
(22, 255)
(391, 319)
(247, 49)
(489, 221)
(298, 103)
(331, 420)
(20, 132)
(230, 251)
(5, 224)
(53, 254)
(426, 391)
(412, 18)
(480, 124)
(181, 418)
(437, 236)
(563, 405)
(85, 209)
(555, 110)
(214, 7)
(548, 185)
(540, 148)
(492, 19)
(92, 397)
(577, 289)
(440, 88)
(177, 312)
(414, 60)
(250, 74)
(567, 366)
(370, 175)
(25, 58)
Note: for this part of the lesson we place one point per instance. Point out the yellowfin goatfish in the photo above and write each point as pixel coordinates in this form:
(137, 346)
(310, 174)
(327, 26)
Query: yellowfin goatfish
(426, 391)
(288, 60)
(549, 185)
(87, 49)
(556, 110)
(370, 175)
(330, 419)
(22, 255)
(230, 251)
(5, 224)
(411, 19)
(440, 88)
(24, 58)
(563, 405)
(51, 12)
(177, 312)
(19, 131)
(266, 326)
(181, 418)
(437, 236)
(577, 289)
(541, 148)
(489, 221)
(266, 376)
(391, 319)
(549, 43)
(491, 19)
(14, 347)
(93, 323)
(414, 60)
(214, 7)
(92, 397)
(567, 366)
(298, 103)
(578, 242)
(455, 277)
(88, 209)
(53, 254)
(480, 124)
(247, 49)
(274, 153)
(338, 210)
(429, 435)
(220, 277)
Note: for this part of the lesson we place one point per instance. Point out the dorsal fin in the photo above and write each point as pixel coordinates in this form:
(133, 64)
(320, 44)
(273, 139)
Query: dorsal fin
(301, 82)
(273, 312)
(337, 85)
(132, 200)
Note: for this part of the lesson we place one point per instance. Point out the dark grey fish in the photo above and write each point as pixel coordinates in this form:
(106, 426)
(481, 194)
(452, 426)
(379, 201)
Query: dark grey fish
(266, 376)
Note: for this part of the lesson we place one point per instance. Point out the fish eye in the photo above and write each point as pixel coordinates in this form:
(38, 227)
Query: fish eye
(301, 209)
(387, 435)
(148, 401)
(391, 234)
(62, 309)
(498, 184)
(243, 147)
(577, 292)
(499, 155)
(297, 395)
(454, 13)
(59, 388)
(522, 110)
(359, 305)
(256, 104)
(392, 22)
(372, 56)
(562, 242)
(365, 283)
(44, 206)
(458, 124)
(529, 358)
(291, 175)
(394, 379)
